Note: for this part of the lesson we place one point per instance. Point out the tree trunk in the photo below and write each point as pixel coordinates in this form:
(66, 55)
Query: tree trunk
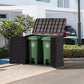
(9, 43)
(5, 41)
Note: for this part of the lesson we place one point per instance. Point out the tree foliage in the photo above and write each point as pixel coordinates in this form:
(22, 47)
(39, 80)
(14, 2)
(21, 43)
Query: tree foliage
(10, 28)
(26, 22)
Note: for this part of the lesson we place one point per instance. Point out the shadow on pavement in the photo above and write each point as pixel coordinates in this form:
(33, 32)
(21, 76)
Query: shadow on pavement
(73, 65)
(7, 66)
(2, 69)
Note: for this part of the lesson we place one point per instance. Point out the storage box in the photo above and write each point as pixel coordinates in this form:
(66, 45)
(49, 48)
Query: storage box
(53, 27)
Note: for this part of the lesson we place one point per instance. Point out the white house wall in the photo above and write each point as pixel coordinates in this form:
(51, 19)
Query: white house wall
(2, 40)
(82, 20)
(35, 11)
(29, 2)
(11, 15)
(74, 4)
(41, 13)
(30, 10)
(82, 4)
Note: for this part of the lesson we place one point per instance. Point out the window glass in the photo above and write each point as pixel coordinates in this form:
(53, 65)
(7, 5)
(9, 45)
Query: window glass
(44, 0)
(60, 3)
(66, 3)
(2, 16)
(63, 3)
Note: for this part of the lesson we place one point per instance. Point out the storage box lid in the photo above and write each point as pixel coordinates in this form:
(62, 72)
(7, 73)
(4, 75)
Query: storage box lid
(49, 26)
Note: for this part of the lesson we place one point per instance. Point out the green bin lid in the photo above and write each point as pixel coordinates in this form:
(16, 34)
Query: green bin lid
(34, 37)
(46, 38)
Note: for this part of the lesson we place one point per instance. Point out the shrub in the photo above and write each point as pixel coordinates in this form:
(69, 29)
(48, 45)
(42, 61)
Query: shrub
(71, 51)
(4, 52)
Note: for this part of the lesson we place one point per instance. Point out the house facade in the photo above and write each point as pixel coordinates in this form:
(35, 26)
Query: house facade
(43, 9)
(52, 3)
(5, 14)
(74, 4)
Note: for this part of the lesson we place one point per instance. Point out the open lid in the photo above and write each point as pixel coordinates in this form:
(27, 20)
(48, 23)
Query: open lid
(49, 26)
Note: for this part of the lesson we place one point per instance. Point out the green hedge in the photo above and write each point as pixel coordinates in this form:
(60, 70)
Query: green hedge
(4, 52)
(71, 51)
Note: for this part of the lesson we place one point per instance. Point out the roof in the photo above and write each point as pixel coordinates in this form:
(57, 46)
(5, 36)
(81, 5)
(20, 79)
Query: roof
(49, 26)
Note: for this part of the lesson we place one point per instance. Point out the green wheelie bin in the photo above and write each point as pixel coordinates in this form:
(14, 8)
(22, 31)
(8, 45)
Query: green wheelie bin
(46, 49)
(35, 49)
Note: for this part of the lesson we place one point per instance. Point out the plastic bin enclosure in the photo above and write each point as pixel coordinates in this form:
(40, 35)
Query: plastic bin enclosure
(35, 50)
(46, 27)
(46, 49)
(18, 50)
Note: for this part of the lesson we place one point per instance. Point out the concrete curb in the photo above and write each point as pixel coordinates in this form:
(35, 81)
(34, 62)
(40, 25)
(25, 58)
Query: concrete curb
(73, 59)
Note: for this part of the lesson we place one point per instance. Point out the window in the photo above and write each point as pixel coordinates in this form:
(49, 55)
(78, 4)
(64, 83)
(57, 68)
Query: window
(2, 16)
(63, 3)
(44, 0)
(66, 3)
(60, 3)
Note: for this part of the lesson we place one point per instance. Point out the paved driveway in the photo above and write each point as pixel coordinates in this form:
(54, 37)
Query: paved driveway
(13, 72)
(71, 73)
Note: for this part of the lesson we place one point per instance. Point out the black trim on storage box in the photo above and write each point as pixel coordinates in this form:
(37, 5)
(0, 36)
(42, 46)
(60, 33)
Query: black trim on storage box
(57, 51)
(19, 50)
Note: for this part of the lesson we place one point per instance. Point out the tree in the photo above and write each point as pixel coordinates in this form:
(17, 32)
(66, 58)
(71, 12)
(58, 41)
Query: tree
(10, 29)
(26, 22)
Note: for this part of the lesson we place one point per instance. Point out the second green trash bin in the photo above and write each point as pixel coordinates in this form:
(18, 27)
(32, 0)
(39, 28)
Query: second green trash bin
(35, 50)
(46, 49)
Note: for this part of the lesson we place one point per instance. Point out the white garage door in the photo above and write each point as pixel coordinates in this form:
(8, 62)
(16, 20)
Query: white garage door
(72, 18)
